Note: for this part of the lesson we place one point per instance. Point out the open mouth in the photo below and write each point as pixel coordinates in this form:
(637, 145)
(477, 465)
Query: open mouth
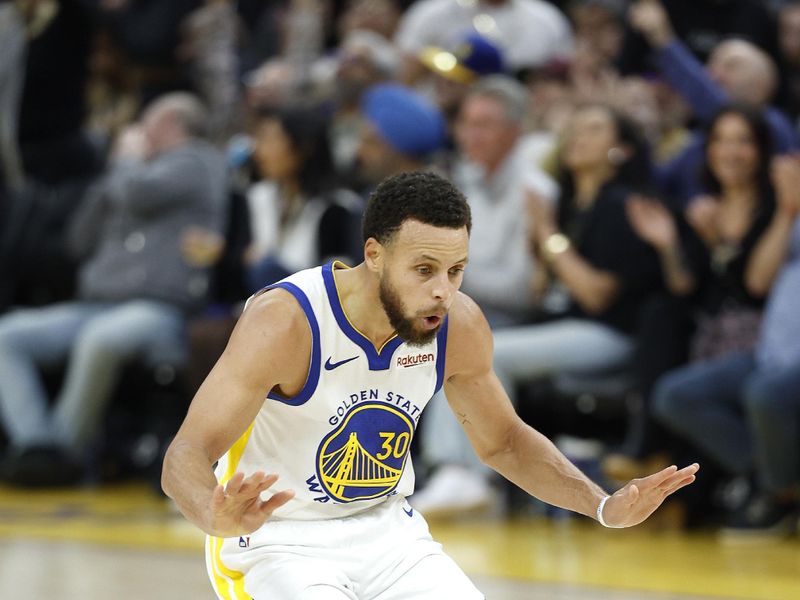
(431, 322)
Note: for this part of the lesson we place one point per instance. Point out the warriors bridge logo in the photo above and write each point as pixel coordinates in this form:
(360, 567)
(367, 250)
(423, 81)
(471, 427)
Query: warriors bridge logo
(364, 457)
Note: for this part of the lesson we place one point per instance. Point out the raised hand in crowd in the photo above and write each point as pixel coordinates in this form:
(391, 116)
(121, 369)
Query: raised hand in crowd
(702, 214)
(785, 176)
(771, 250)
(541, 225)
(652, 221)
(541, 218)
(650, 18)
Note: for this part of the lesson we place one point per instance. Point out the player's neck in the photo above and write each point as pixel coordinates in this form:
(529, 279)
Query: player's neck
(358, 293)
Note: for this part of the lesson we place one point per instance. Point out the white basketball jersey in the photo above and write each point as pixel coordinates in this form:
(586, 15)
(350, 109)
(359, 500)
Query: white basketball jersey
(343, 442)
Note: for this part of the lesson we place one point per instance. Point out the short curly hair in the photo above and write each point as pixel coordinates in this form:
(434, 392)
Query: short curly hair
(425, 197)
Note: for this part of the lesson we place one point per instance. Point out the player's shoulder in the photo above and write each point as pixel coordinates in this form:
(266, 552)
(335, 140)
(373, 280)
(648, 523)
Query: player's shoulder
(466, 315)
(469, 339)
(275, 313)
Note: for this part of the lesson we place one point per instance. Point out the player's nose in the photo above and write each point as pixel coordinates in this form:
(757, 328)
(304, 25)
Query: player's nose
(443, 289)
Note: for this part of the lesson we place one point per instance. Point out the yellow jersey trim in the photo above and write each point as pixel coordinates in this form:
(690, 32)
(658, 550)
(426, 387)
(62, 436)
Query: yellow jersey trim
(229, 584)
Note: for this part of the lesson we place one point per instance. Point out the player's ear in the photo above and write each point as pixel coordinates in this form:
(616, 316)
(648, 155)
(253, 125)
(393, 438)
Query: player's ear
(373, 255)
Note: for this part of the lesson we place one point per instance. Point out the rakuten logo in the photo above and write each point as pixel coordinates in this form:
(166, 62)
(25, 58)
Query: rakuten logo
(413, 361)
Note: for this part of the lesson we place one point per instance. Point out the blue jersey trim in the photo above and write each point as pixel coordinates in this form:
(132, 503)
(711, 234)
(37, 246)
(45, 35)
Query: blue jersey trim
(313, 372)
(377, 360)
(441, 350)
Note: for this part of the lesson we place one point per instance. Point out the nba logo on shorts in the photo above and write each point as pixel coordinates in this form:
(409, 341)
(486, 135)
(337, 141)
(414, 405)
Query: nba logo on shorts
(244, 542)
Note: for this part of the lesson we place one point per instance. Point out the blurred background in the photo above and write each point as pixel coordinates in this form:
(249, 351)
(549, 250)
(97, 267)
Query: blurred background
(633, 169)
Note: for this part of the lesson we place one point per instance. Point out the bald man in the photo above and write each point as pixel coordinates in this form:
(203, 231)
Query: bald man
(744, 71)
(737, 71)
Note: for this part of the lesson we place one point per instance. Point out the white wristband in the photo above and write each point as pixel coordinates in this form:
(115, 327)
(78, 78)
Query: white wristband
(600, 514)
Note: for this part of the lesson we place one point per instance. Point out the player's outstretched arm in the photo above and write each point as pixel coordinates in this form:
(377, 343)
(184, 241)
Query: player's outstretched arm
(519, 452)
(269, 347)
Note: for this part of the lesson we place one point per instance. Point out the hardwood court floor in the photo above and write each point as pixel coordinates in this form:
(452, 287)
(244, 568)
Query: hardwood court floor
(121, 543)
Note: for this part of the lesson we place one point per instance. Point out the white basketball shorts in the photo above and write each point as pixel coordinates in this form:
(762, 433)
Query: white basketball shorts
(384, 553)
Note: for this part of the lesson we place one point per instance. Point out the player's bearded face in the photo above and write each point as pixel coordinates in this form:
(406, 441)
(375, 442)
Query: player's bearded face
(405, 326)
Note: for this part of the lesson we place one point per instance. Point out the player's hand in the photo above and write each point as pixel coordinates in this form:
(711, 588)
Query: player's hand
(237, 508)
(641, 497)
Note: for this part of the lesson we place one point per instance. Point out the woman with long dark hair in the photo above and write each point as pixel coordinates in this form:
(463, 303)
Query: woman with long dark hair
(715, 260)
(720, 259)
(298, 215)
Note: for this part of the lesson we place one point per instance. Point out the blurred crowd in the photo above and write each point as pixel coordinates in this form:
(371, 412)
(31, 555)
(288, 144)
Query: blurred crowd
(633, 169)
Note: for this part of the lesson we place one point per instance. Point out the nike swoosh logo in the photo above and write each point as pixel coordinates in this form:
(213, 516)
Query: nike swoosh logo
(409, 512)
(329, 366)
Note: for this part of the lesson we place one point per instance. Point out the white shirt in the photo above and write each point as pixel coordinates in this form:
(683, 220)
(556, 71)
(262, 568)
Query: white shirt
(529, 32)
(500, 262)
(294, 245)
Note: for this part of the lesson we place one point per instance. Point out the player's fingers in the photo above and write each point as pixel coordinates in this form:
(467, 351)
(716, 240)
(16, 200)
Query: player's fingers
(255, 478)
(679, 484)
(276, 501)
(270, 479)
(657, 479)
(691, 469)
(258, 485)
(679, 476)
(234, 484)
(266, 483)
(246, 489)
(251, 483)
(257, 489)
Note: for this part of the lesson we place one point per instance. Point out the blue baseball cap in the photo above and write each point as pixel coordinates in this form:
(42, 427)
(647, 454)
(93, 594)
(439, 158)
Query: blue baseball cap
(405, 120)
(474, 57)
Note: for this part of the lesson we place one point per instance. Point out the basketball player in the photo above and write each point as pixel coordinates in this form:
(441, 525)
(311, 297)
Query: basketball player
(323, 383)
